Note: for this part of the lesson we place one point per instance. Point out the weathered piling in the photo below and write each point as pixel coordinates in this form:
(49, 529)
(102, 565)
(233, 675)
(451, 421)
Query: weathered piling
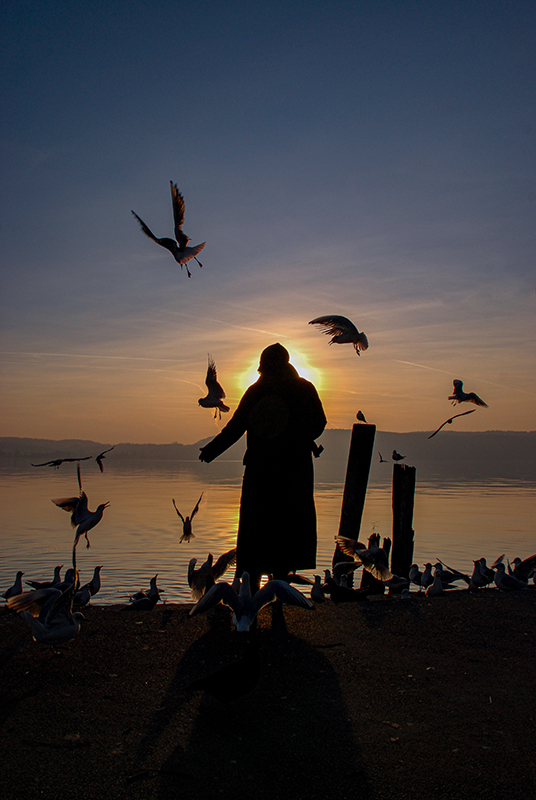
(403, 501)
(355, 486)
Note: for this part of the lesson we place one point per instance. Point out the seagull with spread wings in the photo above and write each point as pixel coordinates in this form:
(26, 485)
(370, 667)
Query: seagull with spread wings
(459, 396)
(179, 249)
(342, 331)
(215, 396)
(449, 421)
(58, 461)
(99, 458)
(197, 578)
(48, 612)
(187, 533)
(81, 517)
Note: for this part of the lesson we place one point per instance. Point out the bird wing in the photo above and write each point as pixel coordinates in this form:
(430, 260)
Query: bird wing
(223, 563)
(283, 591)
(191, 569)
(219, 593)
(350, 547)
(177, 201)
(32, 601)
(60, 610)
(70, 504)
(474, 398)
(178, 512)
(211, 380)
(169, 244)
(190, 252)
(196, 509)
(336, 325)
(55, 463)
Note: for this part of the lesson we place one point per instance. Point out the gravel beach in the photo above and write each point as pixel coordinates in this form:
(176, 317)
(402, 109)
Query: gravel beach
(389, 698)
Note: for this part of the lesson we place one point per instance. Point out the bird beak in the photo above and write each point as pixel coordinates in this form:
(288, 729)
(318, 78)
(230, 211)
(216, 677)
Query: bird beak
(106, 504)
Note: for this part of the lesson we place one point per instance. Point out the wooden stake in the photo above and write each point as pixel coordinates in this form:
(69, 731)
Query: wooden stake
(404, 478)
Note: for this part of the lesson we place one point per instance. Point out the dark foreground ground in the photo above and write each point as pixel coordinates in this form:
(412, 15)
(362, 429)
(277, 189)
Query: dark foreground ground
(427, 698)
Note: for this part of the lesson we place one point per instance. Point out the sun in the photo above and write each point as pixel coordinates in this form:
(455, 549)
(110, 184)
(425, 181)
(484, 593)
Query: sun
(297, 360)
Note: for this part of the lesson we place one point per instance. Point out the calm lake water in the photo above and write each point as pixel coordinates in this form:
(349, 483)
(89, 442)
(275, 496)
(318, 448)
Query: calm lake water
(139, 533)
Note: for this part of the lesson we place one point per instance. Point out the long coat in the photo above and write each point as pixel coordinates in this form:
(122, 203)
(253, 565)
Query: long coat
(282, 415)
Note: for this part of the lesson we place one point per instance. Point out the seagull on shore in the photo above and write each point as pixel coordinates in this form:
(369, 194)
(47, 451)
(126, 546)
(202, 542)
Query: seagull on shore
(233, 680)
(197, 578)
(396, 456)
(317, 593)
(427, 577)
(216, 394)
(246, 606)
(507, 582)
(83, 596)
(524, 569)
(373, 558)
(16, 588)
(179, 249)
(99, 458)
(415, 576)
(48, 612)
(343, 594)
(81, 517)
(436, 587)
(449, 421)
(56, 580)
(342, 331)
(58, 461)
(187, 533)
(360, 416)
(459, 396)
(146, 600)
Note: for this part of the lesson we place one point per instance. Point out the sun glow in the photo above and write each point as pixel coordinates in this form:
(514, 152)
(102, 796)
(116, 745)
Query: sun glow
(297, 360)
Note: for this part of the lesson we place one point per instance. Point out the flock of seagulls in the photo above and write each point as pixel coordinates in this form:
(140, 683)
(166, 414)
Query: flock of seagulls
(437, 578)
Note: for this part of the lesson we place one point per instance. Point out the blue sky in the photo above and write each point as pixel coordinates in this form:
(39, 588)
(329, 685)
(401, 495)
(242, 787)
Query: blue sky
(370, 159)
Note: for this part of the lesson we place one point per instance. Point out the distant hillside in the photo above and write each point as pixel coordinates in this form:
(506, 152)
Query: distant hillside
(451, 455)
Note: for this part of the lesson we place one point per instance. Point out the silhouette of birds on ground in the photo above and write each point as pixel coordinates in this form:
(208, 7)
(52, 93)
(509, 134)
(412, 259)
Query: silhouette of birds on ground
(382, 459)
(58, 461)
(343, 594)
(449, 421)
(99, 458)
(197, 578)
(146, 600)
(16, 588)
(48, 612)
(246, 606)
(524, 569)
(360, 417)
(81, 517)
(342, 331)
(459, 396)
(215, 394)
(507, 583)
(56, 580)
(396, 456)
(179, 248)
(187, 533)
(234, 680)
(317, 592)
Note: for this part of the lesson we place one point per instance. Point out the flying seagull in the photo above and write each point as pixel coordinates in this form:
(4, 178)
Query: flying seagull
(99, 458)
(57, 461)
(81, 517)
(246, 606)
(214, 398)
(382, 459)
(342, 331)
(179, 249)
(459, 396)
(197, 578)
(48, 612)
(187, 523)
(449, 421)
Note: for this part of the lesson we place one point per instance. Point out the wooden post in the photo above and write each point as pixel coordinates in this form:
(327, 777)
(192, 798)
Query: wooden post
(403, 499)
(355, 485)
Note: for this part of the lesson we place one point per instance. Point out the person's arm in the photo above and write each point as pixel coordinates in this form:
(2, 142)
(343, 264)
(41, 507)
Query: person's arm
(230, 434)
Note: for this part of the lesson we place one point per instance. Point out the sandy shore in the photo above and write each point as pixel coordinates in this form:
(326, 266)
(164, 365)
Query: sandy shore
(426, 698)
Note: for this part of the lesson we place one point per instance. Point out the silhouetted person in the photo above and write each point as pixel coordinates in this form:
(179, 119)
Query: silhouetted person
(282, 415)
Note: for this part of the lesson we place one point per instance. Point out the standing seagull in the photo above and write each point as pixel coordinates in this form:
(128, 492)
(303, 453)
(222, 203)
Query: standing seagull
(15, 589)
(342, 331)
(187, 523)
(179, 249)
(459, 396)
(99, 458)
(214, 398)
(396, 456)
(360, 417)
(81, 517)
(449, 421)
